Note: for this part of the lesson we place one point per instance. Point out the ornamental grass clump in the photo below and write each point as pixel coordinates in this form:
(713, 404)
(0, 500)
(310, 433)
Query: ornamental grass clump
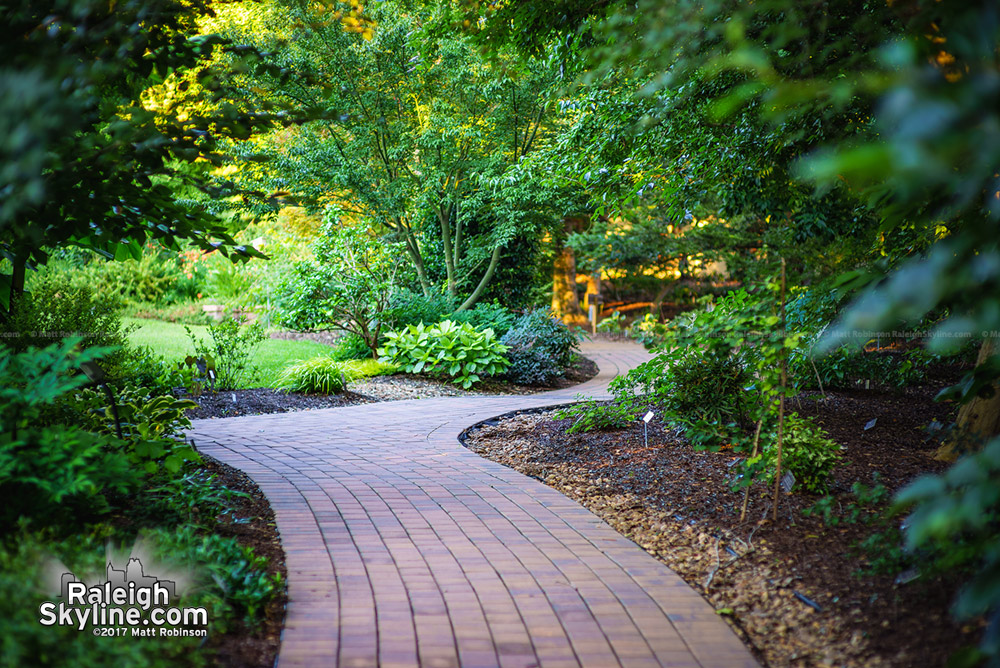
(319, 375)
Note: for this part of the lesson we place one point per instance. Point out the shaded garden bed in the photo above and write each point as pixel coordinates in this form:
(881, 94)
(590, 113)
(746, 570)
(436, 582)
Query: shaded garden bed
(258, 401)
(252, 523)
(801, 591)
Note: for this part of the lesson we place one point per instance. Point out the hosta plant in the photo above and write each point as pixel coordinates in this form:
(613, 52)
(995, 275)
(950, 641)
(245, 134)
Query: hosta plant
(458, 351)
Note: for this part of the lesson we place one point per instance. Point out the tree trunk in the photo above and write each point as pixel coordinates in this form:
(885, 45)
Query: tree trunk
(487, 277)
(565, 302)
(978, 420)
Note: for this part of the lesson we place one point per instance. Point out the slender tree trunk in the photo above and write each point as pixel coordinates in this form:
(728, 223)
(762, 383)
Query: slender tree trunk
(413, 250)
(16, 285)
(443, 215)
(658, 299)
(485, 281)
(565, 302)
(978, 420)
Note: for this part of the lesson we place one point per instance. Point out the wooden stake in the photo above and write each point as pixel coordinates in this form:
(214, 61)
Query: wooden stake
(746, 492)
(781, 398)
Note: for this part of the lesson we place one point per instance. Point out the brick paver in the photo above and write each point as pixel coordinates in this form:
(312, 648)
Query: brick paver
(405, 549)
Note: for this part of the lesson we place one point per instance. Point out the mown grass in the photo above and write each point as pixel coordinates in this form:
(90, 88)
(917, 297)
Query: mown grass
(172, 342)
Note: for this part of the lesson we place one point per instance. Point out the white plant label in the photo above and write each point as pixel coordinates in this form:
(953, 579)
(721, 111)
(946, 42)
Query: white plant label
(647, 417)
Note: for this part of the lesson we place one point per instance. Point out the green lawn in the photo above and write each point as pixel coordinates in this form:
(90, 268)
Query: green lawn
(171, 341)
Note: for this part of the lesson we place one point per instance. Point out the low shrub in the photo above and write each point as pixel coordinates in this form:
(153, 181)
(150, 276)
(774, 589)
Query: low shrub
(591, 415)
(487, 315)
(458, 351)
(46, 467)
(953, 527)
(319, 375)
(540, 347)
(412, 308)
(613, 324)
(351, 347)
(368, 368)
(649, 331)
(806, 451)
(56, 309)
(27, 560)
(230, 350)
(301, 297)
(156, 278)
(235, 578)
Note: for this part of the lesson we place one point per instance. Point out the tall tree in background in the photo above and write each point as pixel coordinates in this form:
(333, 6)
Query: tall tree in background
(84, 162)
(420, 128)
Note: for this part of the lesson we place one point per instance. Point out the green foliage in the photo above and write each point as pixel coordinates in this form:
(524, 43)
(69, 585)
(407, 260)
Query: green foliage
(351, 347)
(46, 467)
(806, 451)
(349, 287)
(715, 372)
(460, 352)
(486, 315)
(194, 497)
(866, 501)
(649, 331)
(412, 308)
(232, 348)
(144, 368)
(47, 470)
(229, 284)
(367, 368)
(954, 517)
(593, 415)
(26, 562)
(236, 577)
(300, 300)
(152, 425)
(319, 375)
(56, 309)
(429, 171)
(84, 161)
(884, 552)
(155, 278)
(613, 324)
(539, 348)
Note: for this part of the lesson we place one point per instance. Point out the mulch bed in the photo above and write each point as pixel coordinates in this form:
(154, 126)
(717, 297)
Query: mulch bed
(242, 647)
(792, 589)
(260, 400)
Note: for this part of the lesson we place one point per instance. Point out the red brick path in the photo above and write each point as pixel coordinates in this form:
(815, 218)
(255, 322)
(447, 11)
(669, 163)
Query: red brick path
(405, 549)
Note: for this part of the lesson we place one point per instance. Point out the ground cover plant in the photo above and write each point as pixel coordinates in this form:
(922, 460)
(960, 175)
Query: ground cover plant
(458, 351)
(78, 475)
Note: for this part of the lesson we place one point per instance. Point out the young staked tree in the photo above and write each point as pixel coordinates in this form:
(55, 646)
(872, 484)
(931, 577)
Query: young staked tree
(421, 127)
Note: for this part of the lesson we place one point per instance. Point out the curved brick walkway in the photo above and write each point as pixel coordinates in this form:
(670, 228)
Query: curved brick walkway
(405, 549)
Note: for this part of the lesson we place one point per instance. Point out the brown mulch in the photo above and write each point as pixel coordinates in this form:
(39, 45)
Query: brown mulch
(798, 591)
(242, 647)
(260, 400)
